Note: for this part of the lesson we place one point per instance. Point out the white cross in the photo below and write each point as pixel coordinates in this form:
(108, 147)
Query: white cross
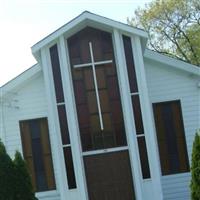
(93, 64)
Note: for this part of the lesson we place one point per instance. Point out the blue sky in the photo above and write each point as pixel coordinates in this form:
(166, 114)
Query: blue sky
(25, 22)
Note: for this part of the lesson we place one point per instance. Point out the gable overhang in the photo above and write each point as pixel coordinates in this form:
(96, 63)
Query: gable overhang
(23, 78)
(172, 62)
(88, 19)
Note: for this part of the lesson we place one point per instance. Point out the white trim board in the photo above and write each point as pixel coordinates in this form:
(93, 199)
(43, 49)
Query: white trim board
(87, 17)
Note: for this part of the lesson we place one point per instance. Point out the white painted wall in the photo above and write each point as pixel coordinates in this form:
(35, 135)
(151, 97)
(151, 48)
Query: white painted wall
(166, 83)
(28, 102)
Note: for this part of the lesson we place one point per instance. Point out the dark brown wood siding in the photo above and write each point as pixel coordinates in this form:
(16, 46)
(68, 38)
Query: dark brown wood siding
(92, 137)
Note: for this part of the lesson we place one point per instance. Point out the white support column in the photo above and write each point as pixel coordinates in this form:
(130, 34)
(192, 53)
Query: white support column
(72, 120)
(147, 120)
(56, 143)
(129, 125)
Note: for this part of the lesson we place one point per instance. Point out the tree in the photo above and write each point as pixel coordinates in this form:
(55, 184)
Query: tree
(6, 175)
(15, 181)
(173, 27)
(23, 187)
(195, 168)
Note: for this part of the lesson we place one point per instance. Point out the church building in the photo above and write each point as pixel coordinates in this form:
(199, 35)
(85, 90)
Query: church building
(101, 117)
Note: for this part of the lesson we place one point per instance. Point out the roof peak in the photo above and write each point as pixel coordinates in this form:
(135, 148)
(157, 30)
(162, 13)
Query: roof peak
(86, 18)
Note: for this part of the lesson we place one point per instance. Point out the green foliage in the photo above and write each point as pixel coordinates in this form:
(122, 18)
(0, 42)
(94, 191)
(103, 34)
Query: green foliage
(23, 186)
(15, 182)
(195, 168)
(6, 175)
(173, 27)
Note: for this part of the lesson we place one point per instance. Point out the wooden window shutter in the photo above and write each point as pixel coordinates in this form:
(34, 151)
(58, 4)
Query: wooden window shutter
(47, 154)
(27, 150)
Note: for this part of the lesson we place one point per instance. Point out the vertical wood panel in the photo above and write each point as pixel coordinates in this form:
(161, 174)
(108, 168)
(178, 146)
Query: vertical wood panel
(109, 176)
(108, 89)
(47, 154)
(27, 150)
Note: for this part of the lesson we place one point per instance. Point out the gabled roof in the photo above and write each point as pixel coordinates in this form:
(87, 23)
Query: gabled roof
(172, 62)
(96, 21)
(22, 78)
(88, 19)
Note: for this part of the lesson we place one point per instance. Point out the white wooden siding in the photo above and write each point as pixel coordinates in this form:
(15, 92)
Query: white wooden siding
(28, 102)
(165, 83)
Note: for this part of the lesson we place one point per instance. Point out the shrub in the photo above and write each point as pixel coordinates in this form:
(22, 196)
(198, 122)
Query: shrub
(23, 187)
(6, 175)
(15, 181)
(195, 168)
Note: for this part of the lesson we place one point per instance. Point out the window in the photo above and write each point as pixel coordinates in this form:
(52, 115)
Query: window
(171, 137)
(62, 115)
(37, 153)
(135, 98)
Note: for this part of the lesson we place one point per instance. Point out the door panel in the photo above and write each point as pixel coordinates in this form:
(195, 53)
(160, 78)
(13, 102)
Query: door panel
(109, 176)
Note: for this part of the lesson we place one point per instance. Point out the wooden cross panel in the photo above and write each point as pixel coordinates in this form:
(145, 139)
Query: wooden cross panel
(92, 135)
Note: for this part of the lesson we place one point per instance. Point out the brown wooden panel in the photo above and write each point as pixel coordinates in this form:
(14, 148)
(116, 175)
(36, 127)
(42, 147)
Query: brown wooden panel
(107, 122)
(49, 172)
(26, 139)
(77, 74)
(104, 101)
(80, 90)
(83, 115)
(101, 81)
(86, 138)
(110, 70)
(108, 89)
(46, 150)
(162, 145)
(92, 102)
(45, 137)
(30, 165)
(112, 88)
(119, 134)
(89, 81)
(171, 137)
(180, 134)
(116, 112)
(95, 126)
(84, 52)
(109, 176)
(27, 150)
